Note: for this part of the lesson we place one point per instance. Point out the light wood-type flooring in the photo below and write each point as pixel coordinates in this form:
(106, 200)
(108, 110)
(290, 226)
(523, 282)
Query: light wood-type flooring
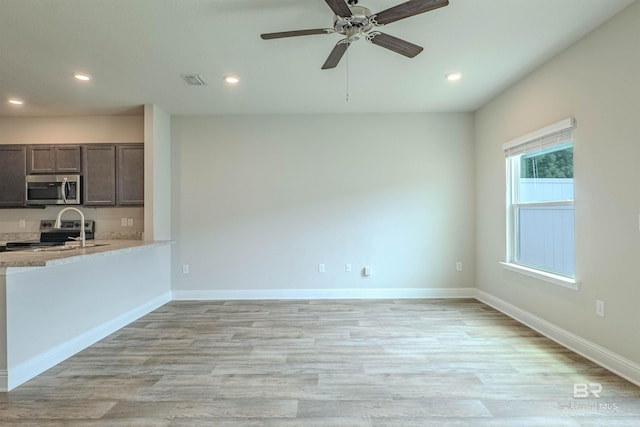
(323, 363)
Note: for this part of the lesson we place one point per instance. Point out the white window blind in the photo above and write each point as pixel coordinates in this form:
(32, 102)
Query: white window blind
(555, 134)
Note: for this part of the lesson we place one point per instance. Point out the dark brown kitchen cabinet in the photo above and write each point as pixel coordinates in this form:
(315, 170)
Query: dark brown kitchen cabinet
(13, 170)
(130, 166)
(113, 174)
(53, 159)
(99, 175)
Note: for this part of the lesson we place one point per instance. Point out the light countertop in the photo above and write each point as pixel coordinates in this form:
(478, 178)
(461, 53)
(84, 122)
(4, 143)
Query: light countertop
(55, 256)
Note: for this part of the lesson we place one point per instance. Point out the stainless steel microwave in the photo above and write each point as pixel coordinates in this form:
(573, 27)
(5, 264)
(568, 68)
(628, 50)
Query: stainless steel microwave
(53, 189)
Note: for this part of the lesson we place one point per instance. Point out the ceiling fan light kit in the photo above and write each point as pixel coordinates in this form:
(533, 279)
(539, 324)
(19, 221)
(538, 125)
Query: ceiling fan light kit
(356, 22)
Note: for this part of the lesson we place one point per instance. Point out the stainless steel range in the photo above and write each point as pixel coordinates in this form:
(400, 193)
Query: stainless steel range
(68, 229)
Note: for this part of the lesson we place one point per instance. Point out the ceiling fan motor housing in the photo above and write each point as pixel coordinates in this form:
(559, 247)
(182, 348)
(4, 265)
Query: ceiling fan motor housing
(357, 23)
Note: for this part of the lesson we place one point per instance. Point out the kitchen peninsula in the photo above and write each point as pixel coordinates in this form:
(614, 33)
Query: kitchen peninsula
(54, 303)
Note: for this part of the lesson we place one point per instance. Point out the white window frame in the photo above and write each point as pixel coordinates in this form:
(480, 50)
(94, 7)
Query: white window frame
(555, 135)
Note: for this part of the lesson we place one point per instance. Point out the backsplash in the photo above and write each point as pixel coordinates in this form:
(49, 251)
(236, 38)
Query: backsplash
(109, 222)
(118, 235)
(18, 237)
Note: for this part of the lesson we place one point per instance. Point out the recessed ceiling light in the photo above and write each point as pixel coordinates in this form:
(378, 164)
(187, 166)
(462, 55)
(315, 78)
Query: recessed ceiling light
(231, 79)
(453, 77)
(15, 101)
(82, 76)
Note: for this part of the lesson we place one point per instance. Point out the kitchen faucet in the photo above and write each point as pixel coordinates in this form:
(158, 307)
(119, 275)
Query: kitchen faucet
(82, 234)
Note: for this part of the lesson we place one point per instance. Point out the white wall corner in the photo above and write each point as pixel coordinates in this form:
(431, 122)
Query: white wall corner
(609, 360)
(157, 174)
(4, 380)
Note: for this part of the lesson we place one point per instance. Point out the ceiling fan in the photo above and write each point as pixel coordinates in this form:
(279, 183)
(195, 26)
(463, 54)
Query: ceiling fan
(356, 22)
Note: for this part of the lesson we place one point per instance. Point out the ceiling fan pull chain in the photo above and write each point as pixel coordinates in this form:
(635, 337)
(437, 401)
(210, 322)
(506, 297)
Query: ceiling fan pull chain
(347, 75)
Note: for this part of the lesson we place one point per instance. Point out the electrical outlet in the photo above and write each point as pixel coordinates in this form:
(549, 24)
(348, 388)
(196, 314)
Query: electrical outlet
(366, 271)
(600, 307)
(130, 222)
(459, 266)
(185, 268)
(22, 223)
(347, 267)
(321, 268)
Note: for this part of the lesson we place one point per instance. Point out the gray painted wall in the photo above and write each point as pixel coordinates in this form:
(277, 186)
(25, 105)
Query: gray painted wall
(595, 81)
(260, 201)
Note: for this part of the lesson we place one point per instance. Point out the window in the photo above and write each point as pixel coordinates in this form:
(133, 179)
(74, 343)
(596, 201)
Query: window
(540, 225)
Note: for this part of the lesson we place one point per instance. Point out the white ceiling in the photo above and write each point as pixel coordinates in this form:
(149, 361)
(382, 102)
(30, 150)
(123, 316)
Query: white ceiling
(136, 51)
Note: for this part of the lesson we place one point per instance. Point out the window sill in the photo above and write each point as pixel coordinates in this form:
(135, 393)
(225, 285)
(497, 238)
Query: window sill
(542, 275)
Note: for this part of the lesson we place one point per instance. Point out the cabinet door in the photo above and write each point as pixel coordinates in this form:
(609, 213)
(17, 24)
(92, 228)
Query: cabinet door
(67, 159)
(53, 159)
(99, 178)
(130, 174)
(13, 170)
(40, 159)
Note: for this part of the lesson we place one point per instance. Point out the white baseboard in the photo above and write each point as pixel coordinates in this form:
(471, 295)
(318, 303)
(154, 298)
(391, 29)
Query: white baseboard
(294, 294)
(615, 363)
(36, 365)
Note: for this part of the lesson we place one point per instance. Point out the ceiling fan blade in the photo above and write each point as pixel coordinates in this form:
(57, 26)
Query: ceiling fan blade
(282, 34)
(336, 54)
(395, 44)
(405, 10)
(339, 7)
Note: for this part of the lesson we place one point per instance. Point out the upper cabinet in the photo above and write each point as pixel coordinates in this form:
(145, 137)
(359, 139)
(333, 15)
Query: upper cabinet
(13, 171)
(113, 175)
(99, 176)
(130, 167)
(53, 159)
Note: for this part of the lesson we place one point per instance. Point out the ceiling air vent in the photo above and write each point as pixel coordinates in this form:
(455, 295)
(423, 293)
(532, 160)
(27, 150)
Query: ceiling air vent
(194, 80)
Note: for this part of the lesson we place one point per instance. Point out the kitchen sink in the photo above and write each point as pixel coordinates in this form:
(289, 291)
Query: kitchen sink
(68, 247)
(29, 245)
(46, 247)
